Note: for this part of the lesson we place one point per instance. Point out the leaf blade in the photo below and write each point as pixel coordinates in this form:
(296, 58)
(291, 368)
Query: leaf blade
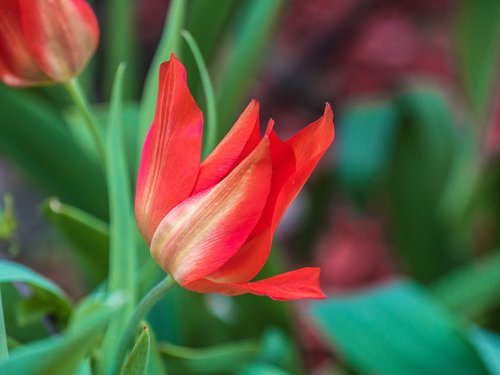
(88, 235)
(137, 360)
(122, 263)
(169, 43)
(44, 356)
(13, 272)
(75, 178)
(397, 328)
(248, 48)
(211, 123)
(478, 33)
(472, 289)
(4, 350)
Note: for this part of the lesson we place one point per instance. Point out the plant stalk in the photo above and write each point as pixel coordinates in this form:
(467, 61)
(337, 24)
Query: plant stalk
(79, 98)
(144, 306)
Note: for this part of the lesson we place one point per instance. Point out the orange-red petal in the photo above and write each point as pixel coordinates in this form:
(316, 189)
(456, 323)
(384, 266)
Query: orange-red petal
(171, 154)
(62, 35)
(293, 163)
(309, 145)
(297, 284)
(236, 145)
(204, 231)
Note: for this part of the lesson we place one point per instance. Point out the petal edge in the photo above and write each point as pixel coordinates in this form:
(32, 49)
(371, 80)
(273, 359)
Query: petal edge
(171, 154)
(292, 285)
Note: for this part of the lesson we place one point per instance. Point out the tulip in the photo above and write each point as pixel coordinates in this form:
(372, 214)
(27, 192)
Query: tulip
(210, 225)
(45, 41)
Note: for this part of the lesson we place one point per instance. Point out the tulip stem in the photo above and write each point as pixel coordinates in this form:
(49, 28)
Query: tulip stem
(80, 99)
(144, 306)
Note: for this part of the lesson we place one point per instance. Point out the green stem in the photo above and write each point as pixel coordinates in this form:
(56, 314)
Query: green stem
(75, 91)
(146, 304)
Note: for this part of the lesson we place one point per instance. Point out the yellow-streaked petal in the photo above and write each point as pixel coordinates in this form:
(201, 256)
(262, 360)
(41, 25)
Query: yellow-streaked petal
(171, 154)
(203, 232)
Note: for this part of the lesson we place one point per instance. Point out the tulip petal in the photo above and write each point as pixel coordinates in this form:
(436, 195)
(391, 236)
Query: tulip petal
(309, 146)
(204, 231)
(297, 284)
(61, 34)
(305, 149)
(236, 145)
(17, 64)
(171, 155)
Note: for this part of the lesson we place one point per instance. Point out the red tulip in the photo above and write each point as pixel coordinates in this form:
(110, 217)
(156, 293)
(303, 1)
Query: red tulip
(210, 225)
(45, 41)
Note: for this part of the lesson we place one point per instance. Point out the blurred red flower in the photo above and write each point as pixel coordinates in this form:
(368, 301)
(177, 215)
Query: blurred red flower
(210, 226)
(45, 41)
(354, 254)
(492, 145)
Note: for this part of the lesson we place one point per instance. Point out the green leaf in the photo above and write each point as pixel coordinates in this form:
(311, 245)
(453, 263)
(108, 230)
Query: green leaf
(170, 42)
(60, 355)
(207, 24)
(421, 165)
(20, 331)
(366, 138)
(88, 235)
(262, 369)
(82, 104)
(488, 346)
(478, 34)
(4, 350)
(130, 117)
(180, 317)
(85, 368)
(155, 363)
(92, 304)
(138, 359)
(121, 44)
(397, 329)
(278, 355)
(279, 350)
(472, 290)
(45, 293)
(123, 253)
(257, 21)
(12, 343)
(122, 223)
(220, 359)
(8, 222)
(80, 133)
(33, 135)
(462, 187)
(211, 123)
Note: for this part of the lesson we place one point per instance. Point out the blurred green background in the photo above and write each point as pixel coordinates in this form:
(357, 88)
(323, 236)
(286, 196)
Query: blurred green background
(402, 214)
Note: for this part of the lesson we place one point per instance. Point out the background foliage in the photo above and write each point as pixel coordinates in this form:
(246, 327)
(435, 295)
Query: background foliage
(403, 215)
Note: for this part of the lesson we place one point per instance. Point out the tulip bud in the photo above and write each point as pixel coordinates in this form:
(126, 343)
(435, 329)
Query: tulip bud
(45, 41)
